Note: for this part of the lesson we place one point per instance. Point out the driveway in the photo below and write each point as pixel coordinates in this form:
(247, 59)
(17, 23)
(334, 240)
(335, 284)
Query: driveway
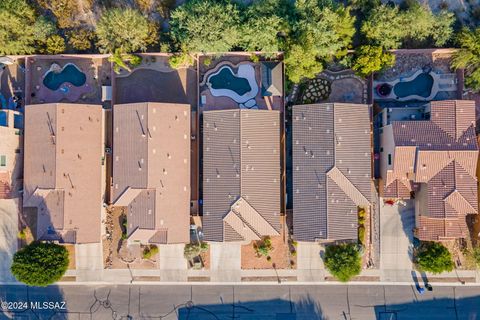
(8, 236)
(225, 261)
(173, 266)
(396, 237)
(309, 262)
(89, 260)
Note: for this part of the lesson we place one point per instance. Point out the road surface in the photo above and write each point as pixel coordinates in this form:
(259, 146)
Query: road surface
(249, 302)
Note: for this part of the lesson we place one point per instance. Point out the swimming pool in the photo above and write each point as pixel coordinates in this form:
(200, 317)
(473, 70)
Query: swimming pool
(53, 80)
(240, 86)
(225, 79)
(420, 86)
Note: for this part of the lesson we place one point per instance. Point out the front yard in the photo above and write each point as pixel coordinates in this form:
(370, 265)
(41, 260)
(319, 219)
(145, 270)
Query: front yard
(269, 253)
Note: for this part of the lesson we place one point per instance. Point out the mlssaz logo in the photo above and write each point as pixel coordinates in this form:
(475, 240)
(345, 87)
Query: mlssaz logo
(48, 305)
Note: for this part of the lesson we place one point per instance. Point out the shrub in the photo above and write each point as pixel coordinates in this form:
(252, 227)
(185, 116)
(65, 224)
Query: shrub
(22, 234)
(343, 261)
(193, 250)
(476, 255)
(55, 44)
(433, 257)
(361, 234)
(40, 264)
(181, 60)
(150, 251)
(81, 39)
(263, 247)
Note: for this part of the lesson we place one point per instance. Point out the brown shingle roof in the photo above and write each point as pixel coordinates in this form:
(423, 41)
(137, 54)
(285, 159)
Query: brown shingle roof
(63, 170)
(241, 159)
(331, 169)
(151, 169)
(445, 151)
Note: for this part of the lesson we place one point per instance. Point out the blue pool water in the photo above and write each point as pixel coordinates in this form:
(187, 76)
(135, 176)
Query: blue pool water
(420, 86)
(225, 79)
(70, 73)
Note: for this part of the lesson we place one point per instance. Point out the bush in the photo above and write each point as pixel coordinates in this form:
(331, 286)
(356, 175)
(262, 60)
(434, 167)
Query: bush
(181, 60)
(263, 247)
(150, 251)
(476, 255)
(433, 257)
(22, 235)
(40, 264)
(343, 261)
(193, 250)
(81, 39)
(361, 235)
(55, 44)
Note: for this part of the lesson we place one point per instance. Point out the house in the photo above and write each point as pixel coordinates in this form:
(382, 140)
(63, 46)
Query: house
(434, 161)
(241, 174)
(11, 153)
(151, 170)
(332, 170)
(63, 171)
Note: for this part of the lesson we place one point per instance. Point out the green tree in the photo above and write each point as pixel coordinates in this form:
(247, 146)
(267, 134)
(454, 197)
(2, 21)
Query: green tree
(81, 39)
(123, 29)
(65, 11)
(433, 257)
(17, 31)
(468, 57)
(370, 59)
(301, 62)
(40, 264)
(384, 27)
(343, 261)
(55, 44)
(206, 26)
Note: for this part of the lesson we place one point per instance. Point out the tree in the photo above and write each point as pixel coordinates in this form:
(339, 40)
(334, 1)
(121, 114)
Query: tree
(80, 39)
(193, 250)
(55, 44)
(301, 62)
(17, 32)
(370, 59)
(468, 57)
(384, 27)
(206, 26)
(40, 264)
(433, 257)
(123, 29)
(64, 11)
(343, 261)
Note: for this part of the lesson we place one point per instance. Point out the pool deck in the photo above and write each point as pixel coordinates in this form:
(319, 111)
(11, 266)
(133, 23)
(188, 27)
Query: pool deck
(12, 78)
(97, 70)
(210, 102)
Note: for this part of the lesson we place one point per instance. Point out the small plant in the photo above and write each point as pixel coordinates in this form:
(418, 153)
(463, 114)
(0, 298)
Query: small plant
(254, 58)
(293, 253)
(476, 255)
(269, 258)
(361, 235)
(263, 247)
(22, 234)
(123, 220)
(207, 61)
(150, 251)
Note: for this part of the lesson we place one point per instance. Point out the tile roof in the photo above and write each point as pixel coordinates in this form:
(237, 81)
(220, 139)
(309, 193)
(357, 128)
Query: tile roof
(241, 160)
(445, 154)
(151, 169)
(332, 147)
(63, 170)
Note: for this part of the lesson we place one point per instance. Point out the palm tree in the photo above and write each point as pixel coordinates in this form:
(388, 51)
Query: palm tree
(468, 57)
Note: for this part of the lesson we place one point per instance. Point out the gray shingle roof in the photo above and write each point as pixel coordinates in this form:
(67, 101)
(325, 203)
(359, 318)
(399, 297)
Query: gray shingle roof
(331, 169)
(241, 158)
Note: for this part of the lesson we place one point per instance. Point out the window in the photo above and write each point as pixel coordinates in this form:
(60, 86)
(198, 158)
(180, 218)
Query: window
(389, 159)
(381, 149)
(3, 161)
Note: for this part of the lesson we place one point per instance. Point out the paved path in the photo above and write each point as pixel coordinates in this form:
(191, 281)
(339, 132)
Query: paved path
(246, 302)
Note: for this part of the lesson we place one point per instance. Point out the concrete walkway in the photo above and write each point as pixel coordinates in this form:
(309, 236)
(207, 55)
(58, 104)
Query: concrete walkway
(8, 236)
(89, 260)
(173, 266)
(225, 262)
(309, 262)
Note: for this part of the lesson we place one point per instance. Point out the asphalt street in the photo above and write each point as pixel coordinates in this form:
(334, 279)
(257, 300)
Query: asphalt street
(249, 302)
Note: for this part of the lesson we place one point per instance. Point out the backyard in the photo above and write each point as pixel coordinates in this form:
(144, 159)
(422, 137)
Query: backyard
(67, 79)
(155, 81)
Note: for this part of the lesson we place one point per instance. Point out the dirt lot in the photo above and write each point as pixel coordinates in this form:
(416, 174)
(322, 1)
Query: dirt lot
(280, 256)
(72, 265)
(116, 253)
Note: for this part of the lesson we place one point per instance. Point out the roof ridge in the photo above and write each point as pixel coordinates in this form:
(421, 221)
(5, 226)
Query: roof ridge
(345, 185)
